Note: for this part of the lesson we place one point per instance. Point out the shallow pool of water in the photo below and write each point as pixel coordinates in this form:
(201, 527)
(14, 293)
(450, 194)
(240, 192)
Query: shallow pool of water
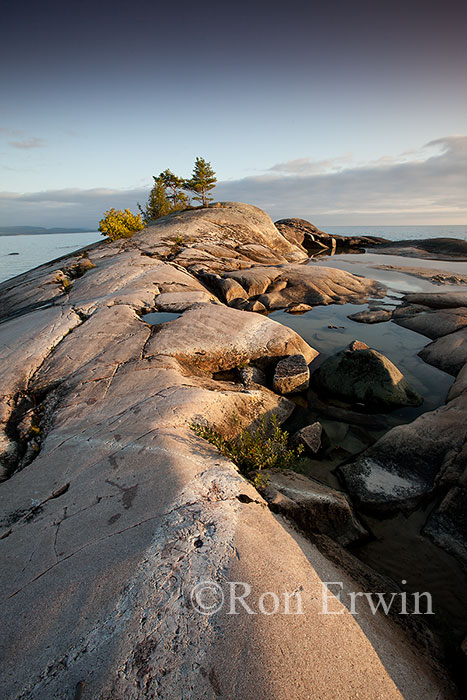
(157, 317)
(399, 344)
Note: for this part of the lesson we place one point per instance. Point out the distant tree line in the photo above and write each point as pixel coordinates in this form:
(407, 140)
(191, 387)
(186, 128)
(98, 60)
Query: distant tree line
(168, 194)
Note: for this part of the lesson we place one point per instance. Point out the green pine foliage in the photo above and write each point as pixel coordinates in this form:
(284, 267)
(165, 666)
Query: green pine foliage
(263, 447)
(174, 186)
(202, 181)
(158, 203)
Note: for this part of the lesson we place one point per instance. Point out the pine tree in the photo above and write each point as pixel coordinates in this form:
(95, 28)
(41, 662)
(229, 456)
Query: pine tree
(173, 183)
(158, 203)
(202, 181)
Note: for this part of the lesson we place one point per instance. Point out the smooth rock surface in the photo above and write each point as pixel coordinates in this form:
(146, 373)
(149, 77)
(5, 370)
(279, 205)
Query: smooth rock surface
(215, 338)
(448, 353)
(371, 316)
(431, 323)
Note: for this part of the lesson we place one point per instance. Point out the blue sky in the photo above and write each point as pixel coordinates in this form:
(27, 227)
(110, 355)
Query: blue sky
(322, 113)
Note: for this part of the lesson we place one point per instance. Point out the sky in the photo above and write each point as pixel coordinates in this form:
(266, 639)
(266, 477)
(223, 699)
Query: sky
(345, 113)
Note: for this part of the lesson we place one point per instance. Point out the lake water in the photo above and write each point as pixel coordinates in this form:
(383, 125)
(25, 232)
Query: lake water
(34, 250)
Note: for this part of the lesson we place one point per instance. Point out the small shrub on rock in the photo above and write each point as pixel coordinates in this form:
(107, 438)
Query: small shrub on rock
(120, 224)
(255, 449)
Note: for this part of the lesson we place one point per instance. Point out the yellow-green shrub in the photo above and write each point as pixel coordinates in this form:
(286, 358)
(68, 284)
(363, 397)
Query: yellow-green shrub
(120, 224)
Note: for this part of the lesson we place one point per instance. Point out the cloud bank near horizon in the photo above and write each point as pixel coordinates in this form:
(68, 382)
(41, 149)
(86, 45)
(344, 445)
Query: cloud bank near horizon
(419, 187)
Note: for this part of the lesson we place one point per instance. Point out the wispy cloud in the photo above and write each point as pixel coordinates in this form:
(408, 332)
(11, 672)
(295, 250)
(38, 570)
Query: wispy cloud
(307, 166)
(31, 142)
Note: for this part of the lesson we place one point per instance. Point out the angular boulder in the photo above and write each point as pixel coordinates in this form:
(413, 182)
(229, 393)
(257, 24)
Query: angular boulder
(314, 507)
(309, 437)
(298, 309)
(251, 375)
(291, 375)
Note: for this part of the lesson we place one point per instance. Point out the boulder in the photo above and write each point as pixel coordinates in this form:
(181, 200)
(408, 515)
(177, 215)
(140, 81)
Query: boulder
(303, 233)
(460, 385)
(213, 338)
(309, 437)
(438, 300)
(256, 306)
(365, 376)
(371, 316)
(433, 324)
(406, 464)
(291, 375)
(298, 309)
(231, 290)
(448, 353)
(308, 284)
(358, 345)
(314, 507)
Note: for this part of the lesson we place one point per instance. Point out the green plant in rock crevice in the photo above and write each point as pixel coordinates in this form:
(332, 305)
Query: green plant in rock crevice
(254, 449)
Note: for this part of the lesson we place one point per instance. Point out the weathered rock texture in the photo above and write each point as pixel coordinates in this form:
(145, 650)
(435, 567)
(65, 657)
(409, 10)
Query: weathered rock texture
(291, 375)
(119, 511)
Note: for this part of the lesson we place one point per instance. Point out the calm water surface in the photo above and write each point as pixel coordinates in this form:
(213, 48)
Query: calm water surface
(19, 254)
